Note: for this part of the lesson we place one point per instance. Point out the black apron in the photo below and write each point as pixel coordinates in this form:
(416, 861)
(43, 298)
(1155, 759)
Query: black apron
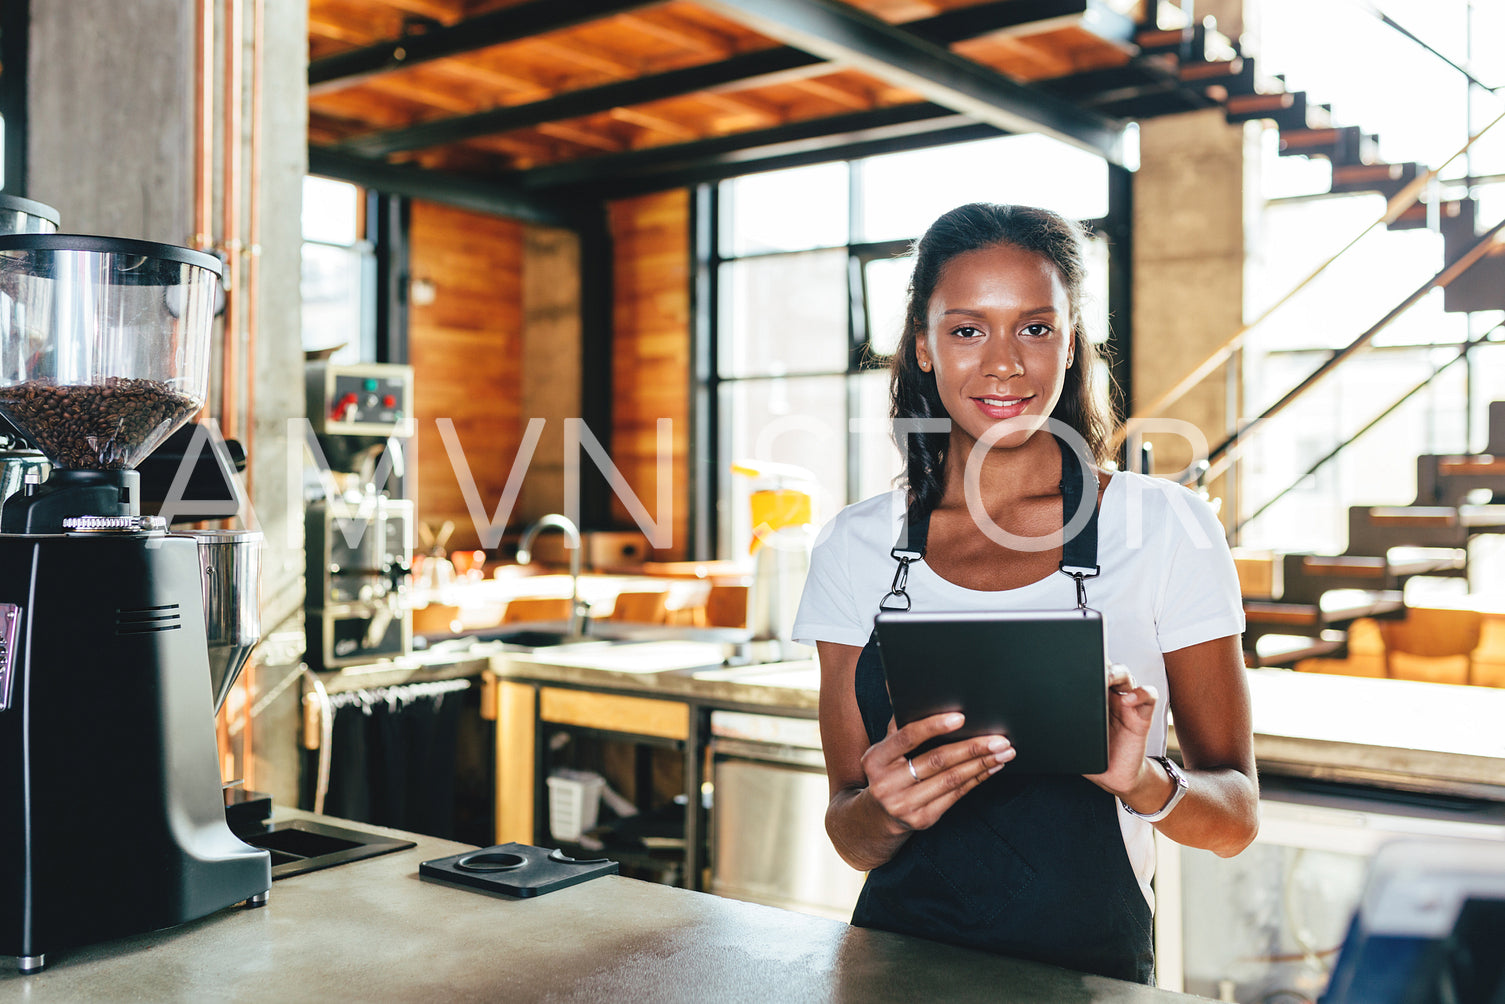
(1029, 866)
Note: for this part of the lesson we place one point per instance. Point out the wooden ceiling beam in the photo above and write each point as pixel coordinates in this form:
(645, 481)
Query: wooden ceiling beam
(808, 141)
(514, 89)
(591, 57)
(443, 11)
(825, 87)
(838, 32)
(782, 64)
(581, 137)
(585, 101)
(1017, 17)
(335, 31)
(495, 28)
(417, 183)
(656, 123)
(676, 31)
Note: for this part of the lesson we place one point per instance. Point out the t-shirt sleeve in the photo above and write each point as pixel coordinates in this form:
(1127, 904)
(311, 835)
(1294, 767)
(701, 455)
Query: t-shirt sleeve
(1199, 593)
(827, 611)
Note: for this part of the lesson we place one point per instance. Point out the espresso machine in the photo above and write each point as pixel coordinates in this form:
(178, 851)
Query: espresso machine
(105, 653)
(358, 527)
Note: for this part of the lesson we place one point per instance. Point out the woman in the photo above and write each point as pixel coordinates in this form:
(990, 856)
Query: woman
(1050, 868)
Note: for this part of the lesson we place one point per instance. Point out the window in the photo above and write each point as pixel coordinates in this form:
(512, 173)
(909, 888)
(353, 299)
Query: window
(1425, 385)
(339, 269)
(811, 273)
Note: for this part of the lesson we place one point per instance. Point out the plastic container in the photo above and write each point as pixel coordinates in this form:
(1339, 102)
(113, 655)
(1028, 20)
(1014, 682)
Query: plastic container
(574, 802)
(104, 344)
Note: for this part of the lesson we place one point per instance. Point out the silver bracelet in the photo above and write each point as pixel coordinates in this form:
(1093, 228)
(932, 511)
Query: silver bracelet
(1177, 778)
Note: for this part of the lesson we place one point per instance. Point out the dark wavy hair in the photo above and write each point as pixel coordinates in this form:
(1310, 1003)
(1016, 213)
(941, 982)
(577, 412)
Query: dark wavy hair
(912, 391)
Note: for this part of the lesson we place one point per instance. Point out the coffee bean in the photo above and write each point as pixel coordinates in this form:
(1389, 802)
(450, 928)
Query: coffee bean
(100, 426)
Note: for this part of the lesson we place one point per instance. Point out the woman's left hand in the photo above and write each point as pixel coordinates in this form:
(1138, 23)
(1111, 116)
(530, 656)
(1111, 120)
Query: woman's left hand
(1131, 708)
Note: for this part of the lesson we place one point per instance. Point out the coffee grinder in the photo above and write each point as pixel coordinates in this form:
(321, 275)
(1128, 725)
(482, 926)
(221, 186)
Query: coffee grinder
(105, 666)
(358, 529)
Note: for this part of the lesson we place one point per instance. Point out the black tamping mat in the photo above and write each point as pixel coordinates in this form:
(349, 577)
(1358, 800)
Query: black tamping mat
(516, 869)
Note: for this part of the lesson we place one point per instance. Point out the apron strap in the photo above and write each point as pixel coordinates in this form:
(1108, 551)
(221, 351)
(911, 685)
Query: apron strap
(909, 548)
(1078, 552)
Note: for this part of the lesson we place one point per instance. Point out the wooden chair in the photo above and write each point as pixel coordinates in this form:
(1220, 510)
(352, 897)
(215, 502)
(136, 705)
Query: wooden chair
(1366, 653)
(527, 609)
(641, 607)
(1433, 644)
(726, 606)
(1489, 657)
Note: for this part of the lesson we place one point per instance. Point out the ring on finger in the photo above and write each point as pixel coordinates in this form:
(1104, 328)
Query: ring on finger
(910, 764)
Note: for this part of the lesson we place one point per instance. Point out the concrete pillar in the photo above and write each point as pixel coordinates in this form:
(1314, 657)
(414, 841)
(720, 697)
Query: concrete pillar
(111, 107)
(1188, 272)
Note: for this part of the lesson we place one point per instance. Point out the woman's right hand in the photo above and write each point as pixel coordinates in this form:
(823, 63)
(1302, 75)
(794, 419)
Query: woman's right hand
(915, 799)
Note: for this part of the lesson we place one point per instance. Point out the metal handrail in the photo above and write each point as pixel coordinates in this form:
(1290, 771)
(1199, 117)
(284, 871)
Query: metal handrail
(1397, 204)
(1228, 450)
(1405, 32)
(1463, 352)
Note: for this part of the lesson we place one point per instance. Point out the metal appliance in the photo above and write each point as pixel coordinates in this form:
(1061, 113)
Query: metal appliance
(358, 528)
(104, 652)
(768, 834)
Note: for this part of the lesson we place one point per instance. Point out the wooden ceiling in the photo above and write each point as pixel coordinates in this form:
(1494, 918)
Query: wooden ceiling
(549, 96)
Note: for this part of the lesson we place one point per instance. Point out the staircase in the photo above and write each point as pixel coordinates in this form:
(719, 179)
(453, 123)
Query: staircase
(1301, 606)
(1209, 71)
(1311, 600)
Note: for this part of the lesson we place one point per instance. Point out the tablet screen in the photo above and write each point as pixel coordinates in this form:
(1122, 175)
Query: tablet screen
(1039, 677)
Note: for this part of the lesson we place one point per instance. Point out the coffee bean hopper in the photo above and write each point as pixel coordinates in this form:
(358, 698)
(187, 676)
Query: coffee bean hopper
(105, 667)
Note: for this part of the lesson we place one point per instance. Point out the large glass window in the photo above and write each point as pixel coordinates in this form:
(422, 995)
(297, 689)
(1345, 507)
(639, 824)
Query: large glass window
(811, 276)
(339, 269)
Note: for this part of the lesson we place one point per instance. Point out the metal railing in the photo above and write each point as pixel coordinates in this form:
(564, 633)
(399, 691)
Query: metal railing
(1223, 455)
(1463, 351)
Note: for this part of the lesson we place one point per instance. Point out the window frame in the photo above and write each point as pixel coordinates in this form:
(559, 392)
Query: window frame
(706, 261)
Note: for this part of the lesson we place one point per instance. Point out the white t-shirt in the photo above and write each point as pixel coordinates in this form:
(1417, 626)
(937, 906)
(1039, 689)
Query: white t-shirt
(1167, 582)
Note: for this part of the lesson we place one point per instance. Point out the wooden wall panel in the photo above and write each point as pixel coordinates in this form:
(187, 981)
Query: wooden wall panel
(651, 377)
(465, 348)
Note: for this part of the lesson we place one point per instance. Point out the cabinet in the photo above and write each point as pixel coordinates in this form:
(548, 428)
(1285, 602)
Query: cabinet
(529, 713)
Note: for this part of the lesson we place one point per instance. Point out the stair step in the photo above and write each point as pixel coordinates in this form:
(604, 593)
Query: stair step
(1482, 286)
(1284, 650)
(1414, 217)
(1337, 608)
(1287, 109)
(1219, 79)
(1341, 144)
(1387, 179)
(1188, 44)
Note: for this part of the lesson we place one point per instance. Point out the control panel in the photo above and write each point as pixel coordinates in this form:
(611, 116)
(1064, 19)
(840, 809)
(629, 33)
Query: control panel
(360, 399)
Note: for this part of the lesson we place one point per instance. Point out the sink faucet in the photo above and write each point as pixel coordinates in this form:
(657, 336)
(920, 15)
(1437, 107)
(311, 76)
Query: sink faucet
(572, 542)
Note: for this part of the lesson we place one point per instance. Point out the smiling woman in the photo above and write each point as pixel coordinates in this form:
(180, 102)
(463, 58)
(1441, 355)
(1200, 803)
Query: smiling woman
(958, 848)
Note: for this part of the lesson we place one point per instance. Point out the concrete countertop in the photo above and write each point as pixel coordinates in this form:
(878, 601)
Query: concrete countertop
(373, 930)
(1397, 733)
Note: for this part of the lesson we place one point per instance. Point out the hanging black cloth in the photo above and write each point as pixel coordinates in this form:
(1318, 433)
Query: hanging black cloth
(393, 757)
(1029, 866)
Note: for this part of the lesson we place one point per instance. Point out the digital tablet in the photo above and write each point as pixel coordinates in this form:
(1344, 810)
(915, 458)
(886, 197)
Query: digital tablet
(1039, 677)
